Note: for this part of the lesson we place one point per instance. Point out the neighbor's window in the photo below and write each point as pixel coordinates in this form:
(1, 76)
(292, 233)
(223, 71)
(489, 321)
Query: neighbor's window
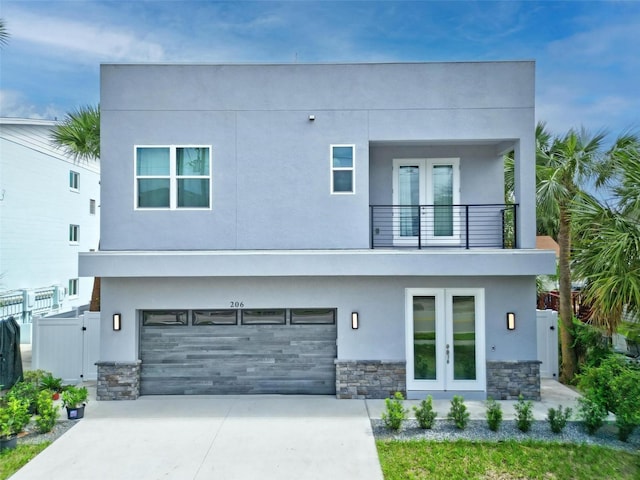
(92, 207)
(173, 177)
(73, 287)
(74, 233)
(164, 317)
(74, 180)
(313, 316)
(342, 168)
(263, 317)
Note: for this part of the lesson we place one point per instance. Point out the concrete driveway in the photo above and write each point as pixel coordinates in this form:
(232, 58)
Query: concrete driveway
(209, 437)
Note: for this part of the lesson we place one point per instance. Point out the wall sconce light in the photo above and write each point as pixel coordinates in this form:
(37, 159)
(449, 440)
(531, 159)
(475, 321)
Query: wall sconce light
(117, 322)
(511, 321)
(354, 320)
(312, 118)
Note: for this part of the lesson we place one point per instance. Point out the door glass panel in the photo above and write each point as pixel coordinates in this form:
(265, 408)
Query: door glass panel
(409, 194)
(424, 338)
(443, 200)
(464, 338)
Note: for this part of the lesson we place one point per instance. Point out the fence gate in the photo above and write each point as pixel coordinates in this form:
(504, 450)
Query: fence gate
(547, 323)
(67, 347)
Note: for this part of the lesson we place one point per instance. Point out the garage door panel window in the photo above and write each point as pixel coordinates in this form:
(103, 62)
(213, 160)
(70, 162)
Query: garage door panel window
(164, 317)
(214, 317)
(264, 317)
(313, 316)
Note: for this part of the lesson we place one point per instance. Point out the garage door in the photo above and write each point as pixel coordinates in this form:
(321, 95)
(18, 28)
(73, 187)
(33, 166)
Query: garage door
(257, 351)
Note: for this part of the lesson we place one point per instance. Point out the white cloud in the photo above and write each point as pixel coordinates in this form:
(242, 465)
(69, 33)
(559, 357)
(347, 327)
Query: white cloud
(14, 104)
(69, 38)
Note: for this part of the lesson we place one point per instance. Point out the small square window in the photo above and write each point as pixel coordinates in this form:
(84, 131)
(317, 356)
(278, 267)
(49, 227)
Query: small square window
(342, 169)
(74, 180)
(74, 233)
(92, 207)
(73, 287)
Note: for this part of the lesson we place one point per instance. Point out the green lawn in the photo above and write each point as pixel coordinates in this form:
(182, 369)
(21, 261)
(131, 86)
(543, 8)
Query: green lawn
(421, 459)
(13, 460)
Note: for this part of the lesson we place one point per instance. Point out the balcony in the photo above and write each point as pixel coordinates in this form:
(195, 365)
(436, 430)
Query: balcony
(443, 226)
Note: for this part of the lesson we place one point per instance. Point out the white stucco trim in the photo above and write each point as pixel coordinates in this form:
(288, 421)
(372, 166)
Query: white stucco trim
(266, 263)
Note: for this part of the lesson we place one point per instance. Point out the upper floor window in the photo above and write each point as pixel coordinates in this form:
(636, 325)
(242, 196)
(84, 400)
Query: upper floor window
(92, 206)
(173, 177)
(74, 233)
(74, 180)
(342, 168)
(73, 287)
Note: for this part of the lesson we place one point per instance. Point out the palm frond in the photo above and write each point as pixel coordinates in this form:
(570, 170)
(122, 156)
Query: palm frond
(79, 133)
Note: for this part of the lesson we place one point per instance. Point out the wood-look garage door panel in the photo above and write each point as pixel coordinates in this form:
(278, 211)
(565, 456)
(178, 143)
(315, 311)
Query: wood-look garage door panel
(240, 359)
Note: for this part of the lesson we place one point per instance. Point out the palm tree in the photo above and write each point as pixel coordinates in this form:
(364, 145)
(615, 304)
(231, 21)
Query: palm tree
(79, 135)
(4, 33)
(607, 254)
(564, 165)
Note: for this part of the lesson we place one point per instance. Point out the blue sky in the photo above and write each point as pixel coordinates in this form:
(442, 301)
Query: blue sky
(587, 53)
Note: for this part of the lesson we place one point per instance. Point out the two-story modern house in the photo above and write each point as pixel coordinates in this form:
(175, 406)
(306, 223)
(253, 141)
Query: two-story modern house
(323, 229)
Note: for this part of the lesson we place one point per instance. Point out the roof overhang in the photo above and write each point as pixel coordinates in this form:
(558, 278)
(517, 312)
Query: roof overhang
(316, 263)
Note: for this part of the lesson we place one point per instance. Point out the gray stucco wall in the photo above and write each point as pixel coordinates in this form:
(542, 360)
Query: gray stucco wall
(271, 164)
(379, 301)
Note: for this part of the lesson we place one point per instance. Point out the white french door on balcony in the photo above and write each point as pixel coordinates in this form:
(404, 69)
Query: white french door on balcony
(445, 342)
(425, 194)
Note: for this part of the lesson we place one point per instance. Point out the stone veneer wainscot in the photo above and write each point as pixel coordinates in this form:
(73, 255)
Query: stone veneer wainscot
(509, 380)
(118, 380)
(370, 378)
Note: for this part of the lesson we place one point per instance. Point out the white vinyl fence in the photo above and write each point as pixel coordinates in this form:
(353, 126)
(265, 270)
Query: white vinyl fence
(67, 347)
(547, 323)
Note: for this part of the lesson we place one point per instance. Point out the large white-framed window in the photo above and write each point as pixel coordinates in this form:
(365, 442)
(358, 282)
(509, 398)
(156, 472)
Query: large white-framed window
(74, 181)
(74, 234)
(343, 169)
(172, 177)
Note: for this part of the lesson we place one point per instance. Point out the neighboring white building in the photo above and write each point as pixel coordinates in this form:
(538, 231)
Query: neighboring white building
(49, 211)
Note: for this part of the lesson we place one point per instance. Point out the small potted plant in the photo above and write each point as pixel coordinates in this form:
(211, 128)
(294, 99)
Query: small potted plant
(49, 382)
(74, 400)
(14, 416)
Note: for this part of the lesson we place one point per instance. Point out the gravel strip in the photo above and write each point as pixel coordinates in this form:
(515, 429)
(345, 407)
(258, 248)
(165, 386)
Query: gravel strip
(477, 430)
(31, 435)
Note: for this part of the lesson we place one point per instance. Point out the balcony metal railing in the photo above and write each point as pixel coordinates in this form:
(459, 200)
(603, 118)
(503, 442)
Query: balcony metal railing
(448, 226)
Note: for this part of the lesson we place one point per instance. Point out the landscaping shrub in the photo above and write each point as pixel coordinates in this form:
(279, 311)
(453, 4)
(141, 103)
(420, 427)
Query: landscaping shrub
(26, 391)
(494, 415)
(395, 412)
(558, 418)
(614, 386)
(592, 414)
(425, 414)
(47, 412)
(14, 416)
(524, 414)
(458, 413)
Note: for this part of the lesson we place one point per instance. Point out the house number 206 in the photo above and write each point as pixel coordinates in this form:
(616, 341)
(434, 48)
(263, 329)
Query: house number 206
(236, 304)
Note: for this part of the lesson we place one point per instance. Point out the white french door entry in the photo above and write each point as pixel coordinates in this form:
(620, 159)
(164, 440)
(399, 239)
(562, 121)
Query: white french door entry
(445, 339)
(426, 195)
